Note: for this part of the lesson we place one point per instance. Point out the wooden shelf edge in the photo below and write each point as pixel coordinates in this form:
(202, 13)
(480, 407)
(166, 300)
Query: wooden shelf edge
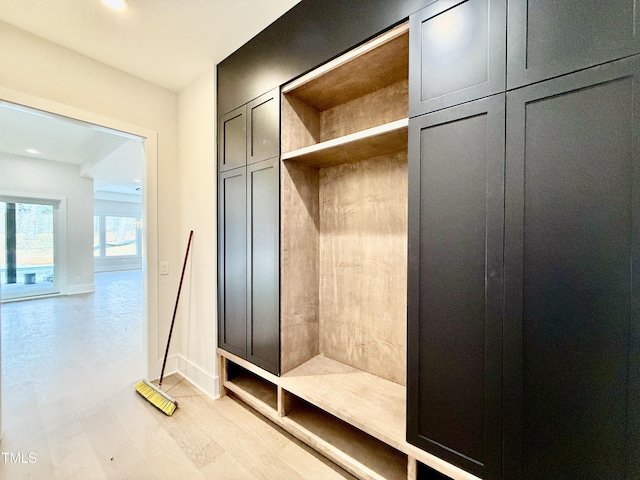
(347, 57)
(251, 400)
(325, 448)
(352, 139)
(249, 366)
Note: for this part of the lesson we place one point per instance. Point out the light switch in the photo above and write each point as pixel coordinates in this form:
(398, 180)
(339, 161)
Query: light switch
(164, 268)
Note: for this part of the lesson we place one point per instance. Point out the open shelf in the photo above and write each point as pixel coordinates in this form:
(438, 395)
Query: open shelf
(350, 76)
(372, 404)
(250, 386)
(363, 89)
(357, 452)
(355, 147)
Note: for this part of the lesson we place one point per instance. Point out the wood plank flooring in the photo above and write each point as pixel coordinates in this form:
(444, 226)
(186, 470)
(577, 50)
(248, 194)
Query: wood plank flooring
(69, 365)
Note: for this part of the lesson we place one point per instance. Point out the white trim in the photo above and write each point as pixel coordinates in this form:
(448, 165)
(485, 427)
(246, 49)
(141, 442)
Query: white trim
(199, 378)
(77, 289)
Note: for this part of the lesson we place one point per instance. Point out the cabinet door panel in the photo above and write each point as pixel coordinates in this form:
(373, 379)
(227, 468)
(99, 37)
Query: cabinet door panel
(263, 127)
(548, 38)
(571, 326)
(456, 162)
(232, 261)
(232, 147)
(263, 241)
(457, 53)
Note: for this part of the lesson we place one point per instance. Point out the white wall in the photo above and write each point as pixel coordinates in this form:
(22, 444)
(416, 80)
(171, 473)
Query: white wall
(40, 74)
(56, 179)
(196, 140)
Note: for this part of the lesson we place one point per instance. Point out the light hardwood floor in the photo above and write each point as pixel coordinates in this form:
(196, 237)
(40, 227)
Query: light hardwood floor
(69, 364)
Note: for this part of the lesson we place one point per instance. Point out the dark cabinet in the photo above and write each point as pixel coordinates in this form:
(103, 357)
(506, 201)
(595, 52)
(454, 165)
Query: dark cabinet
(572, 324)
(263, 257)
(457, 53)
(232, 133)
(232, 261)
(248, 263)
(548, 38)
(263, 127)
(250, 133)
(454, 371)
(248, 231)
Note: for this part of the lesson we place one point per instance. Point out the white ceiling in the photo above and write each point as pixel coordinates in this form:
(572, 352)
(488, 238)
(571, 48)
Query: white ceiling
(166, 42)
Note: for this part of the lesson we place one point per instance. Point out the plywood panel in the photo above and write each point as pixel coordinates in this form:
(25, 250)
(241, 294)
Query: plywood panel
(363, 265)
(389, 61)
(300, 124)
(299, 246)
(376, 108)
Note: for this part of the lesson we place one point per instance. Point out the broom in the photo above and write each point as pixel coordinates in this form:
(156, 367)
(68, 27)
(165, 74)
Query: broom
(159, 399)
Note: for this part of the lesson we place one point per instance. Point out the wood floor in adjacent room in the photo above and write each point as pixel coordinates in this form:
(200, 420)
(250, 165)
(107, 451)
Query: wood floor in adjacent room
(70, 411)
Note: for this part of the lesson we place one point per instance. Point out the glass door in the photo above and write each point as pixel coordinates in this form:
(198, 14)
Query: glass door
(28, 247)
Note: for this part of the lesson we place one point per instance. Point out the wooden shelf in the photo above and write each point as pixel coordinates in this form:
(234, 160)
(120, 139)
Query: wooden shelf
(357, 452)
(349, 76)
(373, 142)
(372, 404)
(355, 419)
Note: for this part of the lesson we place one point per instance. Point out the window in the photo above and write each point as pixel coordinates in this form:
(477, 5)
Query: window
(116, 236)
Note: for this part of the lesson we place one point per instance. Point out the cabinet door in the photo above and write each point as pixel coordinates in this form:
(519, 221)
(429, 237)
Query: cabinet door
(456, 204)
(548, 38)
(263, 127)
(572, 317)
(232, 261)
(232, 147)
(456, 53)
(263, 278)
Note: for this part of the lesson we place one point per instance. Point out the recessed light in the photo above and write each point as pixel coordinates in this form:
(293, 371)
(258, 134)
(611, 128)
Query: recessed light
(116, 4)
(136, 180)
(32, 151)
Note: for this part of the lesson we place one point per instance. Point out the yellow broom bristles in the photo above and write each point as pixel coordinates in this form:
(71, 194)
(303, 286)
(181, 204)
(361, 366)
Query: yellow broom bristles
(156, 397)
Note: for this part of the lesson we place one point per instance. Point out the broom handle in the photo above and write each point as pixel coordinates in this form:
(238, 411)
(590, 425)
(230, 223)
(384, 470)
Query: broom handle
(175, 309)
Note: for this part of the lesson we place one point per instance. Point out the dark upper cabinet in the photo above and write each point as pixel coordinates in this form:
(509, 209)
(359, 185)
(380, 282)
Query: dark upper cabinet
(572, 317)
(232, 133)
(457, 53)
(456, 204)
(232, 261)
(263, 257)
(263, 127)
(250, 133)
(548, 38)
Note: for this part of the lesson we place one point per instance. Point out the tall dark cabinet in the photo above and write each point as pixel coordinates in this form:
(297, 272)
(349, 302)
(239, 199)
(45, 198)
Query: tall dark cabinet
(523, 353)
(523, 323)
(454, 386)
(248, 231)
(572, 370)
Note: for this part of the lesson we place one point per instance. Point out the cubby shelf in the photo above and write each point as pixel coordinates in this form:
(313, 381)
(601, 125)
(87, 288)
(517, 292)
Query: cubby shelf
(369, 143)
(370, 403)
(353, 418)
(349, 76)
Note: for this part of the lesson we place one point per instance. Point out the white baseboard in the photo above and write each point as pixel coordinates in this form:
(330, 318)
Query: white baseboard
(76, 289)
(199, 378)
